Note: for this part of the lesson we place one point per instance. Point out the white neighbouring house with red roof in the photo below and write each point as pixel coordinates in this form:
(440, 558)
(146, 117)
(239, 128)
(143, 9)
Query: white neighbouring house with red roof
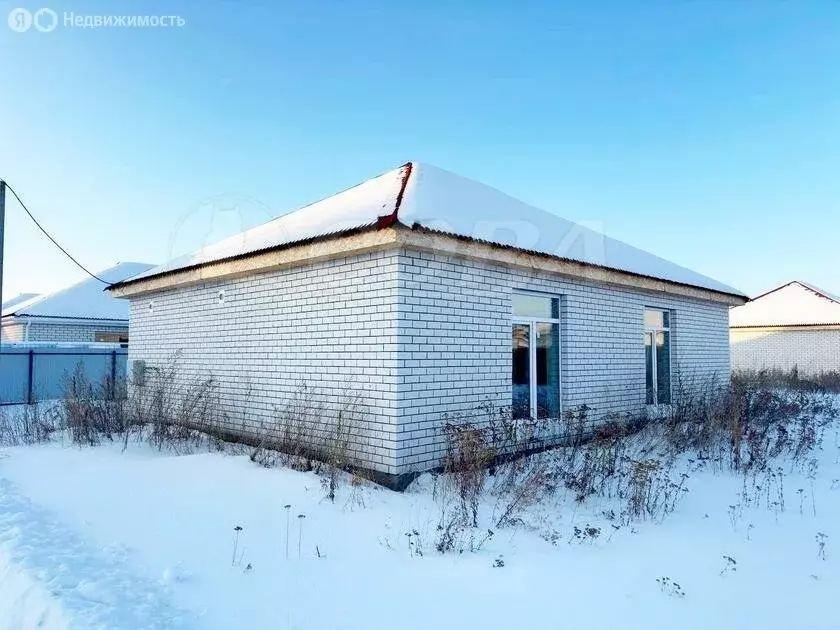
(417, 297)
(795, 325)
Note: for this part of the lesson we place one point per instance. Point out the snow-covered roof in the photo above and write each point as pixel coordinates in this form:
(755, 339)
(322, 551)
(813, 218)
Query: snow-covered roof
(18, 300)
(85, 300)
(423, 196)
(793, 304)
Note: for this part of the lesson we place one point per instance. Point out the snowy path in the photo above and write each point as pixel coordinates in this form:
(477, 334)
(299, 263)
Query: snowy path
(93, 587)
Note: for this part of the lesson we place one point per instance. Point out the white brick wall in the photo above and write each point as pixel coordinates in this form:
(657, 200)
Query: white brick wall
(330, 324)
(12, 332)
(60, 333)
(811, 351)
(419, 334)
(455, 348)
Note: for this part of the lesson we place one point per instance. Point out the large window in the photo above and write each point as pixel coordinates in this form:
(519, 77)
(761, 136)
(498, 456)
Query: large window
(535, 356)
(658, 356)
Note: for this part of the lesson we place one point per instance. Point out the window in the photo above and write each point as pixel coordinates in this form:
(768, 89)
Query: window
(110, 337)
(658, 357)
(535, 356)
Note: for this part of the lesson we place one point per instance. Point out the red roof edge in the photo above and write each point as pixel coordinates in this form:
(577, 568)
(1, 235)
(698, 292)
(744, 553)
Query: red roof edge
(389, 220)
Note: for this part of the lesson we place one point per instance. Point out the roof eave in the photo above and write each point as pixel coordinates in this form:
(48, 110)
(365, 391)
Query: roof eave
(585, 270)
(776, 326)
(63, 319)
(395, 235)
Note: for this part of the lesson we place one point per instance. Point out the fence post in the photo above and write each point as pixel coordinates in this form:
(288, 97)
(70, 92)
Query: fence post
(30, 397)
(113, 373)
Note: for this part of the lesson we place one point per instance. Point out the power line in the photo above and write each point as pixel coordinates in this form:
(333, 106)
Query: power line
(47, 234)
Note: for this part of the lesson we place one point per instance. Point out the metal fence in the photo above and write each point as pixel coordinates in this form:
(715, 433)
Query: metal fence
(33, 372)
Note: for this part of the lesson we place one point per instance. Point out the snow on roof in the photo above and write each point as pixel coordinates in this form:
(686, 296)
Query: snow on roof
(420, 195)
(85, 300)
(18, 300)
(793, 304)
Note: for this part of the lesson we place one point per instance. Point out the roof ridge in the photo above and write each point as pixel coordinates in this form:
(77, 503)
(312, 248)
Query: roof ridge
(804, 285)
(390, 219)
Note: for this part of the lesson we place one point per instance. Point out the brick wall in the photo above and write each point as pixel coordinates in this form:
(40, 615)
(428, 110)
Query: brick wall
(330, 324)
(811, 351)
(455, 348)
(58, 332)
(12, 332)
(69, 333)
(416, 335)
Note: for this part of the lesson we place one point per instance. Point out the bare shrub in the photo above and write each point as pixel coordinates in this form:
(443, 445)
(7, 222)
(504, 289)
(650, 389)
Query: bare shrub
(90, 411)
(746, 423)
(704, 418)
(652, 492)
(453, 532)
(793, 380)
(522, 483)
(26, 425)
(590, 468)
(335, 444)
(296, 423)
(309, 435)
(467, 458)
(172, 406)
(479, 447)
(169, 409)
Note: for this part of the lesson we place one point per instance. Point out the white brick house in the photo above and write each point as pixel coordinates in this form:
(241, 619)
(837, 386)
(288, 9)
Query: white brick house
(795, 325)
(428, 294)
(81, 313)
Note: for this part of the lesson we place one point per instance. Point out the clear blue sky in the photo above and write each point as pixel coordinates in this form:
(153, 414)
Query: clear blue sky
(705, 132)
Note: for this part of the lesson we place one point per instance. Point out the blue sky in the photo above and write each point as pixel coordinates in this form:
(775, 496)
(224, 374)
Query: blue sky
(705, 132)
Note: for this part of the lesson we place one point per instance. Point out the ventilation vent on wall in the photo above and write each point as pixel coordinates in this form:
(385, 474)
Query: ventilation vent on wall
(151, 306)
(221, 296)
(138, 372)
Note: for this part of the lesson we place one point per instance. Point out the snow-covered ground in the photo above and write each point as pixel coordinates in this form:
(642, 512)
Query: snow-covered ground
(98, 538)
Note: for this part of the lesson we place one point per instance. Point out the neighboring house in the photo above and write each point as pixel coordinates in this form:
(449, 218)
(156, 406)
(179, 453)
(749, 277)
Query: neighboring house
(84, 312)
(424, 293)
(18, 300)
(795, 325)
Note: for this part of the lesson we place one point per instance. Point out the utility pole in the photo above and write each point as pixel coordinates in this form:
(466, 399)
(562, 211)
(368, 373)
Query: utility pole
(2, 236)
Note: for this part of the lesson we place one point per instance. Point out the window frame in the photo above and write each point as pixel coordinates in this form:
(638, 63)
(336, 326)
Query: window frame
(532, 352)
(120, 336)
(653, 330)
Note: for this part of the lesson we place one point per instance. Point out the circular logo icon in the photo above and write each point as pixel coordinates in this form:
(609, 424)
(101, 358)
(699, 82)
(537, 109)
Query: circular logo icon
(45, 20)
(207, 226)
(20, 20)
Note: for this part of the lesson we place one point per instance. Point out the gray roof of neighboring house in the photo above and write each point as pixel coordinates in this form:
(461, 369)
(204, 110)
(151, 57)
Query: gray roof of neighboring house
(422, 196)
(18, 300)
(87, 299)
(795, 303)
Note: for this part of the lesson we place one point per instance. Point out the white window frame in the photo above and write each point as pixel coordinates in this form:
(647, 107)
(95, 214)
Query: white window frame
(532, 351)
(653, 362)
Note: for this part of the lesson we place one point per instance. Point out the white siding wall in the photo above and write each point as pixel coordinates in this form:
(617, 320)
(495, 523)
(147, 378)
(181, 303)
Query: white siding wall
(331, 325)
(455, 344)
(419, 334)
(810, 351)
